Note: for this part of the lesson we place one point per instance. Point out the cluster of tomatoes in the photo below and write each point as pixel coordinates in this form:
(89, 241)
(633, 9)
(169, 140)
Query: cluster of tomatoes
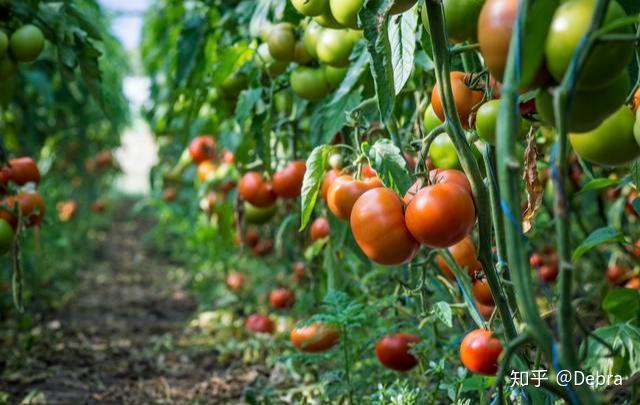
(20, 204)
(24, 44)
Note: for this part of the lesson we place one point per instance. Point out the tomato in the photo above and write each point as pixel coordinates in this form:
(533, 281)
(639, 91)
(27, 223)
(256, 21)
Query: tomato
(26, 43)
(334, 47)
(606, 60)
(298, 270)
(258, 215)
(20, 171)
(311, 8)
(430, 120)
(31, 205)
(548, 273)
(610, 144)
(590, 107)
(495, 25)
(536, 260)
(66, 210)
(310, 38)
(235, 281)
(335, 75)
(336, 161)
(282, 298)
(437, 176)
(443, 154)
(479, 352)
(206, 170)
(400, 6)
(266, 62)
(461, 17)
(465, 98)
(487, 119)
(464, 253)
(377, 224)
(287, 183)
(441, 215)
(104, 159)
(202, 148)
(314, 338)
(482, 292)
(252, 237)
(169, 194)
(636, 100)
(282, 42)
(368, 171)
(256, 190)
(228, 157)
(393, 351)
(633, 283)
(344, 191)
(262, 248)
(329, 177)
(346, 11)
(309, 83)
(233, 85)
(485, 310)
(98, 206)
(300, 54)
(6, 237)
(319, 229)
(257, 323)
(326, 20)
(616, 274)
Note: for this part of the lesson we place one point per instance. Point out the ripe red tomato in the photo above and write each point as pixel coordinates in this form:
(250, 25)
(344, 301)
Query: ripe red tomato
(104, 159)
(548, 273)
(256, 190)
(20, 171)
(485, 310)
(319, 229)
(482, 292)
(329, 177)
(169, 194)
(633, 283)
(228, 157)
(479, 352)
(298, 270)
(235, 281)
(257, 323)
(262, 248)
(67, 210)
(287, 183)
(536, 260)
(439, 176)
(367, 171)
(616, 274)
(252, 237)
(464, 253)
(377, 223)
(202, 148)
(441, 215)
(206, 170)
(314, 338)
(636, 100)
(495, 26)
(98, 206)
(393, 351)
(31, 205)
(344, 191)
(282, 298)
(466, 99)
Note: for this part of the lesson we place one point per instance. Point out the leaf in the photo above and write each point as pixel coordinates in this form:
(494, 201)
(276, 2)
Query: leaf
(402, 40)
(330, 118)
(387, 160)
(630, 6)
(424, 61)
(190, 46)
(598, 184)
(635, 171)
(442, 311)
(246, 102)
(624, 338)
(597, 237)
(539, 17)
(533, 185)
(622, 304)
(313, 177)
(356, 68)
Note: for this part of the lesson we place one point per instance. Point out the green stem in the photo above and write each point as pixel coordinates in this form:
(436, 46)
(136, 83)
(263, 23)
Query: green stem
(347, 363)
(439, 42)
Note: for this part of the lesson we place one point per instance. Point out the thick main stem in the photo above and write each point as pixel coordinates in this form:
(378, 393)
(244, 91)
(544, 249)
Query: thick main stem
(439, 42)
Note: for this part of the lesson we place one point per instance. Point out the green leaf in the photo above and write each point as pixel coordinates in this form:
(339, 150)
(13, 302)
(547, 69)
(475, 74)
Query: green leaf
(330, 118)
(313, 177)
(402, 39)
(356, 68)
(598, 184)
(442, 311)
(635, 174)
(424, 61)
(624, 338)
(387, 160)
(190, 46)
(597, 237)
(246, 102)
(630, 6)
(622, 304)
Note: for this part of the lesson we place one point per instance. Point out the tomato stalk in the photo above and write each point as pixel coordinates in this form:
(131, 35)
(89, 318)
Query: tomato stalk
(439, 43)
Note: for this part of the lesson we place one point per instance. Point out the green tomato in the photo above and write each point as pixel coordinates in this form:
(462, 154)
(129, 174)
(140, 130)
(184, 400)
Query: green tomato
(334, 47)
(284, 102)
(309, 83)
(27, 42)
(606, 60)
(301, 56)
(233, 85)
(400, 6)
(636, 127)
(346, 11)
(610, 144)
(326, 20)
(4, 43)
(311, 8)
(265, 61)
(443, 153)
(461, 17)
(310, 38)
(282, 42)
(334, 75)
(430, 119)
(8, 68)
(336, 161)
(487, 119)
(258, 216)
(590, 107)
(6, 237)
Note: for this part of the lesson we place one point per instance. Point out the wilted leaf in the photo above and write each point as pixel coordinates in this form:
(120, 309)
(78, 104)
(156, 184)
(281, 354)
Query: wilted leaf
(533, 185)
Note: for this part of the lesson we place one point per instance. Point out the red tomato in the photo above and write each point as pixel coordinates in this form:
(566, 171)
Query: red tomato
(202, 148)
(319, 229)
(466, 99)
(235, 281)
(252, 237)
(441, 215)
(393, 351)
(98, 206)
(314, 338)
(67, 210)
(228, 157)
(482, 292)
(536, 260)
(298, 270)
(104, 159)
(254, 189)
(464, 253)
(206, 170)
(329, 177)
(378, 226)
(367, 171)
(479, 352)
(287, 183)
(485, 310)
(344, 191)
(169, 194)
(31, 205)
(437, 176)
(616, 274)
(257, 323)
(282, 298)
(262, 248)
(548, 273)
(633, 283)
(20, 171)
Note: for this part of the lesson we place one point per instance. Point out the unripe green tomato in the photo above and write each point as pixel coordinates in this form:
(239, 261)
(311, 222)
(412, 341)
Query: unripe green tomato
(430, 119)
(265, 30)
(309, 83)
(461, 17)
(258, 216)
(311, 8)
(487, 119)
(590, 107)
(27, 42)
(310, 38)
(233, 85)
(606, 60)
(4, 43)
(282, 42)
(265, 61)
(301, 56)
(400, 6)
(335, 75)
(612, 143)
(335, 161)
(6, 237)
(326, 20)
(443, 153)
(284, 102)
(636, 127)
(346, 11)
(334, 47)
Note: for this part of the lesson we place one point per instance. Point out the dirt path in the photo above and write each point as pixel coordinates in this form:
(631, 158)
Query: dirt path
(118, 340)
